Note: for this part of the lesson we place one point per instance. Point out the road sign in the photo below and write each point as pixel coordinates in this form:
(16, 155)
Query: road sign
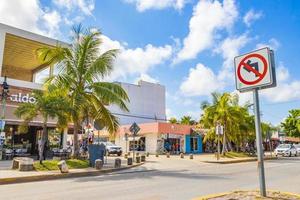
(255, 70)
(134, 129)
(219, 130)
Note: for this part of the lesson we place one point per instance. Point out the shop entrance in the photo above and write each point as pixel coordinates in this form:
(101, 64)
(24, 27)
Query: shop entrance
(194, 143)
(172, 145)
(24, 141)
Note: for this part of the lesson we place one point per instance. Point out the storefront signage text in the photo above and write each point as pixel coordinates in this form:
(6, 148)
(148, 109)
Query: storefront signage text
(20, 98)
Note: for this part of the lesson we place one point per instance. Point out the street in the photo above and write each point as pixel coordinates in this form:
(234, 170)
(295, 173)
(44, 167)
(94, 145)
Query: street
(161, 178)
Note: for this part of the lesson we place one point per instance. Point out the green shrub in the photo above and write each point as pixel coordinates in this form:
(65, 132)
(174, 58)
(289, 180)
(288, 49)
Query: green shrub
(49, 165)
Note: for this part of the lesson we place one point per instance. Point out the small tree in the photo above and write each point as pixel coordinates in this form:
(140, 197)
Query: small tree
(173, 120)
(291, 124)
(47, 105)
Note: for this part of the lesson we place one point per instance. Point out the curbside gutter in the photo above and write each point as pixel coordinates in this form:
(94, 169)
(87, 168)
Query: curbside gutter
(46, 177)
(238, 160)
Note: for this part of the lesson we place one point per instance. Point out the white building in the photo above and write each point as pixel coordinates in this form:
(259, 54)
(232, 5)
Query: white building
(147, 103)
(24, 73)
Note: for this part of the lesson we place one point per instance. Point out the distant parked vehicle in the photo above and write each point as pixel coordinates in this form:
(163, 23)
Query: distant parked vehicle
(112, 148)
(297, 146)
(286, 150)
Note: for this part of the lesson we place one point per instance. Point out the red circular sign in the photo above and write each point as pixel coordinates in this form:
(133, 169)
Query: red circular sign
(260, 75)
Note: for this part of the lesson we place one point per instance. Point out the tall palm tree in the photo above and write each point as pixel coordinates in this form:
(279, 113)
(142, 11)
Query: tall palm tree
(82, 70)
(225, 110)
(48, 106)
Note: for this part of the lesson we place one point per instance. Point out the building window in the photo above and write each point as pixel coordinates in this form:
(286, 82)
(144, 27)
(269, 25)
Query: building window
(138, 145)
(41, 76)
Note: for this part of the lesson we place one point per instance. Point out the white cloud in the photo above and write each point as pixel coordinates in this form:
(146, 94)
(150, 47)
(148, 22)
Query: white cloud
(147, 78)
(286, 90)
(230, 48)
(21, 14)
(251, 16)
(135, 61)
(272, 44)
(31, 16)
(200, 81)
(52, 20)
(208, 17)
(143, 5)
(283, 92)
(282, 73)
(245, 97)
(85, 6)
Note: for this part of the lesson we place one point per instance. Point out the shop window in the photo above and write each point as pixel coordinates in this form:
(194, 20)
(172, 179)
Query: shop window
(54, 138)
(138, 145)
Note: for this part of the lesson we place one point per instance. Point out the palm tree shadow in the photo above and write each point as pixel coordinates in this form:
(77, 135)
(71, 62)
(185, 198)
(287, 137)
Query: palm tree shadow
(149, 174)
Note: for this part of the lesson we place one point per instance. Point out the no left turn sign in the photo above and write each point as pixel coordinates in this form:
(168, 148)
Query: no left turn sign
(254, 70)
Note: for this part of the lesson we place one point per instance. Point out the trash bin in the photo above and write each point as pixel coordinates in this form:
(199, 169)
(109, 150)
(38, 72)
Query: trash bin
(96, 151)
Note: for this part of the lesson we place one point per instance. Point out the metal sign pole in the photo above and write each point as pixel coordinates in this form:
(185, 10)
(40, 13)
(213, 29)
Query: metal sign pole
(260, 159)
(218, 156)
(133, 147)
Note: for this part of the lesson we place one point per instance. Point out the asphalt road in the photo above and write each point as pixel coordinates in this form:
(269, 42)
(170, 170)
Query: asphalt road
(162, 178)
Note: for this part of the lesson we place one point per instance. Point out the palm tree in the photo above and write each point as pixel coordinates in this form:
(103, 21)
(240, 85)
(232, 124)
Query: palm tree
(226, 111)
(173, 120)
(82, 70)
(187, 120)
(48, 106)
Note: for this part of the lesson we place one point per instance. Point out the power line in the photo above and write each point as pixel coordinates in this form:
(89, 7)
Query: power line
(138, 116)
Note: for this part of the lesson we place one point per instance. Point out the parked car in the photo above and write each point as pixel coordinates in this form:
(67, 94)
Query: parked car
(297, 146)
(112, 148)
(286, 150)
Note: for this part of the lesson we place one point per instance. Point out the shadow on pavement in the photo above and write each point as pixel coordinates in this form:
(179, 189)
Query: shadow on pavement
(144, 173)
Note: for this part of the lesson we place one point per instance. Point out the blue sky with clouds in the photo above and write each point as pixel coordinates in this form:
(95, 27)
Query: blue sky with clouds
(186, 45)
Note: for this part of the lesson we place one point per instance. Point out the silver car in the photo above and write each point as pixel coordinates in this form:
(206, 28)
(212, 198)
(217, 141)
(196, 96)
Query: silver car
(297, 146)
(285, 150)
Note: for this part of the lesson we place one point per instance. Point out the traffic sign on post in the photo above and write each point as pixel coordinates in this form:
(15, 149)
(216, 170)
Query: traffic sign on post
(134, 128)
(255, 70)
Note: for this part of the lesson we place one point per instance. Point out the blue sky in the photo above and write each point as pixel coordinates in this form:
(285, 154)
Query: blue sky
(186, 45)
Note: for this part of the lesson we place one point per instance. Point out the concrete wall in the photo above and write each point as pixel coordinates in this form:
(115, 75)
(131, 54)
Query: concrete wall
(147, 103)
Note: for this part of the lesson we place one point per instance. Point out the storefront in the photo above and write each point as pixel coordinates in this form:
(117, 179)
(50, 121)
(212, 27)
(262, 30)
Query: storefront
(160, 137)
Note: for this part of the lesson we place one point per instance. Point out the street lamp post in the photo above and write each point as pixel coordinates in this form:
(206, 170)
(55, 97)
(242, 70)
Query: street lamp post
(4, 95)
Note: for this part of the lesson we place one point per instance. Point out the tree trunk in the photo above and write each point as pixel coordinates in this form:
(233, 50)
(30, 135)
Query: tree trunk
(76, 142)
(224, 148)
(42, 142)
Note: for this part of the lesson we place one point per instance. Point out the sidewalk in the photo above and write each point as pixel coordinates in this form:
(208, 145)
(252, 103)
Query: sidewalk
(211, 158)
(8, 176)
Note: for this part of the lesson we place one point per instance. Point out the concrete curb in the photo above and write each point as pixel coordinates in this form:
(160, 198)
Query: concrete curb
(207, 197)
(238, 160)
(46, 177)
